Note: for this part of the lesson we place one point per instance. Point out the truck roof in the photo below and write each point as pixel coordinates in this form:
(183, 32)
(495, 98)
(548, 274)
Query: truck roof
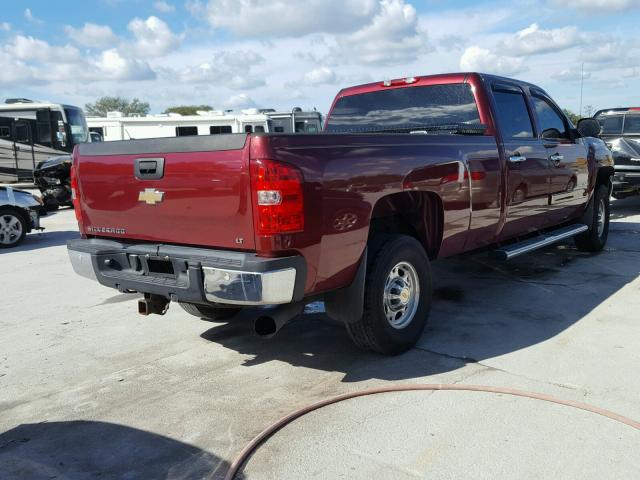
(617, 110)
(456, 77)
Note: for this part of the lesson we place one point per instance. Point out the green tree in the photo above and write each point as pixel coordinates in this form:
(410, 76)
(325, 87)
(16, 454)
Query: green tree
(572, 116)
(116, 104)
(188, 109)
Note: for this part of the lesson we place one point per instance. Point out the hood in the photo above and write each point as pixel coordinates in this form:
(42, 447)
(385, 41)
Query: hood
(625, 146)
(20, 198)
(54, 162)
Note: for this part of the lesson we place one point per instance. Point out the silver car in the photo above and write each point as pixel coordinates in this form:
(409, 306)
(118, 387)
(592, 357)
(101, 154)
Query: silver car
(19, 214)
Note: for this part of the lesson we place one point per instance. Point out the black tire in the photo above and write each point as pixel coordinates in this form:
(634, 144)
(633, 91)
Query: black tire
(207, 312)
(374, 331)
(594, 239)
(13, 227)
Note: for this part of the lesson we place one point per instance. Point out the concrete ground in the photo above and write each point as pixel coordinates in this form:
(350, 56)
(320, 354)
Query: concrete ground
(88, 388)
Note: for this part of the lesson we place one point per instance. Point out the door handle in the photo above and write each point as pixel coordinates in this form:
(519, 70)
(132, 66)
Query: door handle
(517, 159)
(556, 158)
(149, 168)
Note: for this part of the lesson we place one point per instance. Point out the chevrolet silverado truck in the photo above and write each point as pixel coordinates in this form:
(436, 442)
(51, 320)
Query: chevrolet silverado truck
(406, 171)
(621, 133)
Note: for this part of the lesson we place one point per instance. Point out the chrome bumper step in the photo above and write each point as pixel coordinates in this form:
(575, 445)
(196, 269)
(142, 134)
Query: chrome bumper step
(516, 249)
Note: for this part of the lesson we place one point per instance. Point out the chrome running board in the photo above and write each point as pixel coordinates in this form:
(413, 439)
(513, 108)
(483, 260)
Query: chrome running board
(548, 238)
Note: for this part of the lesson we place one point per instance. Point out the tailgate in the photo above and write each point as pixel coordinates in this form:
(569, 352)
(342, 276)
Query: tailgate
(202, 196)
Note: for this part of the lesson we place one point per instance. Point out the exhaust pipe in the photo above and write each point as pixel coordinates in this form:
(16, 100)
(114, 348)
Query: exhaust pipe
(272, 320)
(153, 304)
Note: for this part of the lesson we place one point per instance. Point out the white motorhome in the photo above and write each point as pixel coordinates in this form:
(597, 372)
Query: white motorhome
(115, 126)
(33, 131)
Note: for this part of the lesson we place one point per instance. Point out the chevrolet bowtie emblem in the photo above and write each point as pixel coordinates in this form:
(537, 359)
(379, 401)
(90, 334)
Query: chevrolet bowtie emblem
(151, 196)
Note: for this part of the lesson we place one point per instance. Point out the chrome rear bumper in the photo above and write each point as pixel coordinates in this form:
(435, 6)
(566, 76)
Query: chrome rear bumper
(190, 274)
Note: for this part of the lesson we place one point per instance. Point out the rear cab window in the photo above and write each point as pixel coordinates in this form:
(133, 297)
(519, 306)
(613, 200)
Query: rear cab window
(404, 108)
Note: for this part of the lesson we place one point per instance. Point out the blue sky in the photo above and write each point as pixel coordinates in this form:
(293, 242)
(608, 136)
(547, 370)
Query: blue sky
(285, 53)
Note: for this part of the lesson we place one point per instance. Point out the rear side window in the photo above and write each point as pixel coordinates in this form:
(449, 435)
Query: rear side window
(513, 115)
(404, 108)
(632, 124)
(611, 125)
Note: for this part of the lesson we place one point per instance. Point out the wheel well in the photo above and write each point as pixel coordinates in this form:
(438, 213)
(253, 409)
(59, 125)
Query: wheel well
(417, 214)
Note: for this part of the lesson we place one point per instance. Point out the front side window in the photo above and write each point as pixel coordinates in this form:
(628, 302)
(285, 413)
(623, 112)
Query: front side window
(405, 108)
(551, 123)
(513, 114)
(632, 124)
(611, 125)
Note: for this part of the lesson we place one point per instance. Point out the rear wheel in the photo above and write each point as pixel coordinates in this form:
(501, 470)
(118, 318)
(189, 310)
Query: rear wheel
(207, 312)
(594, 239)
(13, 228)
(397, 297)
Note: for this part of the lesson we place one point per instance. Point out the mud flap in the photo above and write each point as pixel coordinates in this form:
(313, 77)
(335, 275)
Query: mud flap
(347, 304)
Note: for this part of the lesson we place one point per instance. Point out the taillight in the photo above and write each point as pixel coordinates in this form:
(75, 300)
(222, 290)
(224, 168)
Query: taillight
(277, 193)
(75, 194)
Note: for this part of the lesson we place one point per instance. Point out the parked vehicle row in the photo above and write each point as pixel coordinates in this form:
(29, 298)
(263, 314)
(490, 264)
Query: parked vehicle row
(406, 171)
(209, 122)
(19, 214)
(32, 132)
(621, 132)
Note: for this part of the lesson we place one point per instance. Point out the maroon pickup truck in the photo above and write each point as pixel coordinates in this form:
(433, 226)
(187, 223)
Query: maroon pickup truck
(405, 172)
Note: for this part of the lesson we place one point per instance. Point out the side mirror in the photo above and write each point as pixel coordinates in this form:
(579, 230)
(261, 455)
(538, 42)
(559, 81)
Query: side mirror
(588, 127)
(551, 134)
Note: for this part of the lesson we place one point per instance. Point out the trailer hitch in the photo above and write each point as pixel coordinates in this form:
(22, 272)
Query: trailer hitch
(153, 304)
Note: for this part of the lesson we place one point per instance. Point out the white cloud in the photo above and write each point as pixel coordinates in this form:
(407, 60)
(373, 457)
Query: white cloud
(532, 40)
(392, 38)
(30, 48)
(282, 18)
(164, 7)
(482, 60)
(230, 68)
(92, 35)
(588, 6)
(113, 66)
(319, 76)
(153, 37)
(5, 27)
(13, 70)
(570, 75)
(31, 18)
(241, 100)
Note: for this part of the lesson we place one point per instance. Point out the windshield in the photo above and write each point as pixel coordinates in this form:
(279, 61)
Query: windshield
(402, 108)
(77, 125)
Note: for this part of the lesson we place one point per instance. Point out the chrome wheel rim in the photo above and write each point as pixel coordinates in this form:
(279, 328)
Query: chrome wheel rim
(401, 295)
(10, 229)
(600, 220)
